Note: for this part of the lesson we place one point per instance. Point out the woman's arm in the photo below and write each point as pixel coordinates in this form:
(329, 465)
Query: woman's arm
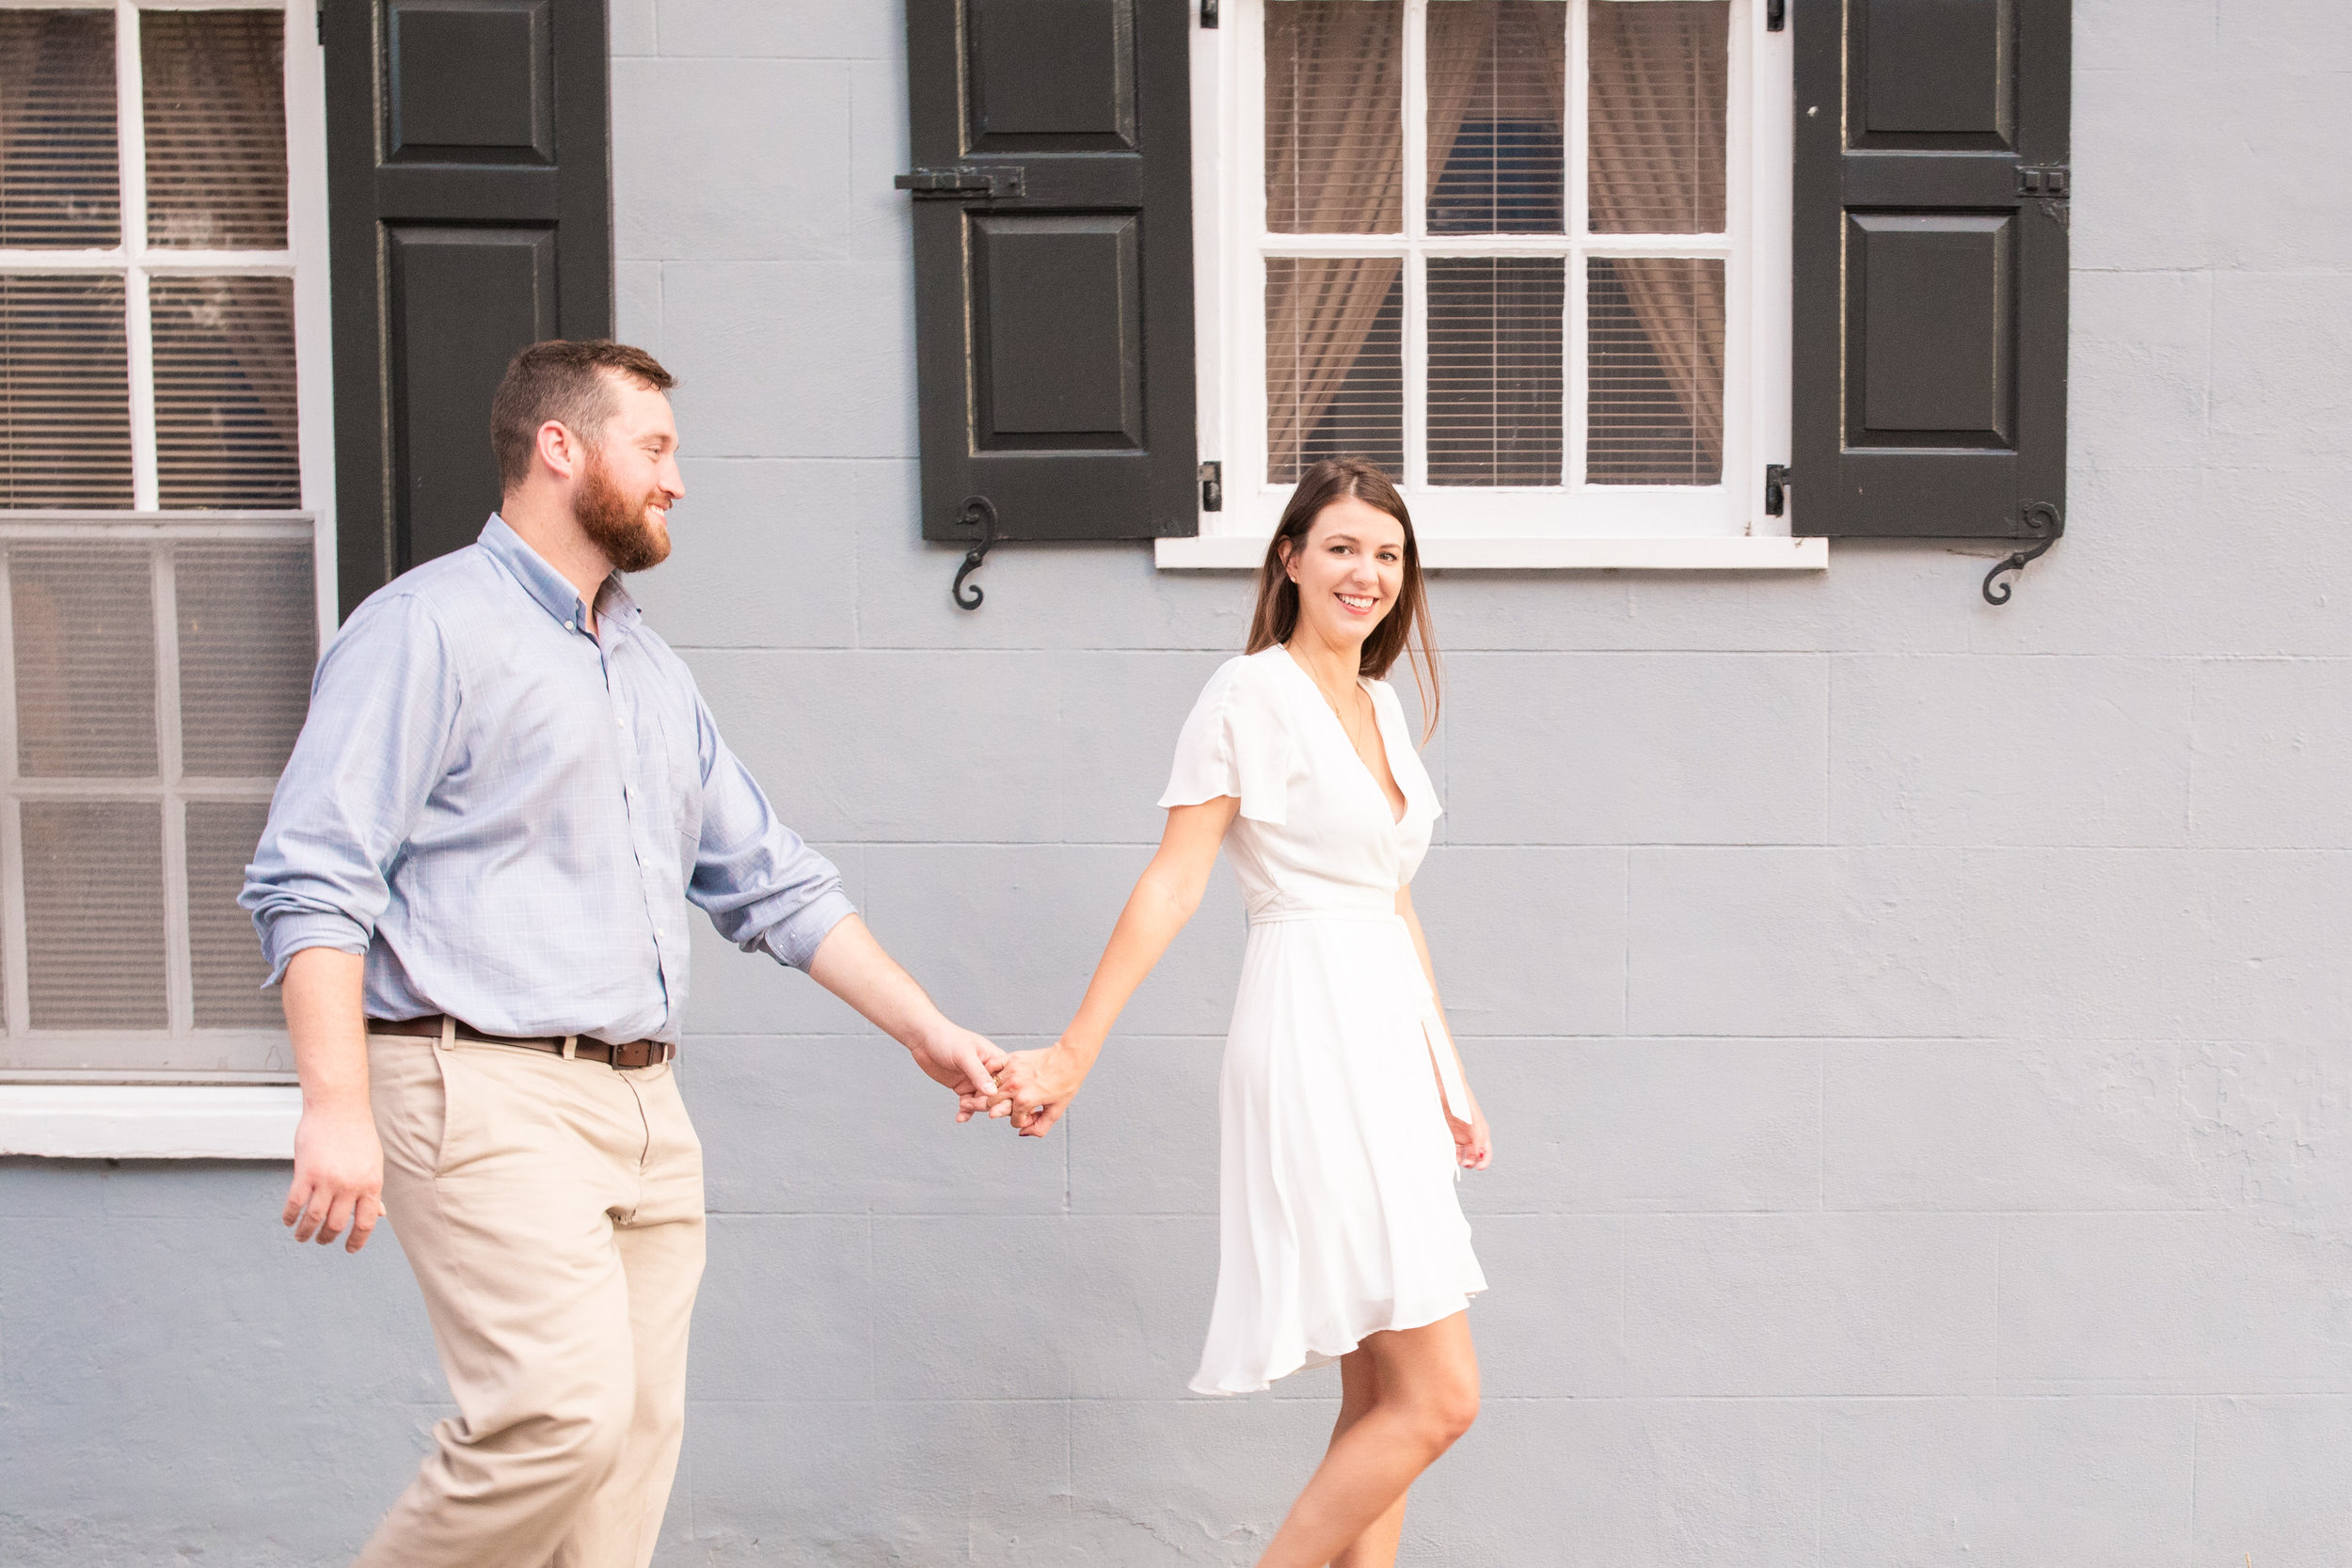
(1471, 1140)
(1039, 1083)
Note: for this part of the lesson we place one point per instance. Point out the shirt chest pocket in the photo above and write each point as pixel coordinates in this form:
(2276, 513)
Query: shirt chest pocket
(678, 774)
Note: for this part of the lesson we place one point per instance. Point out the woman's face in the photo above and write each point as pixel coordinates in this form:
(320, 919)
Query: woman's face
(1348, 571)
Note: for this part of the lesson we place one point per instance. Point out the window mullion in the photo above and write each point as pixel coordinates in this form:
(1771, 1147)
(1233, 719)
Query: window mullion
(130, 155)
(1416, 232)
(1576, 373)
(179, 967)
(15, 970)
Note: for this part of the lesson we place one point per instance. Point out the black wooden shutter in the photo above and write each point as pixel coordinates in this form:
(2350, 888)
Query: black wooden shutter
(1930, 253)
(1053, 265)
(469, 207)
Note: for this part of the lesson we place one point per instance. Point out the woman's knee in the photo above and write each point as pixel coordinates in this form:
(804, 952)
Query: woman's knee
(1455, 1409)
(1447, 1406)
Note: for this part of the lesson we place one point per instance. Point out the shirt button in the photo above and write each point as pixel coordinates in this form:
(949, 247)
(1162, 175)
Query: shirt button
(618, 723)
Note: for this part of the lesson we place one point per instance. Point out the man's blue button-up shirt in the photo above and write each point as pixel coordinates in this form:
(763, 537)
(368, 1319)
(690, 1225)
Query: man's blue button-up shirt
(508, 814)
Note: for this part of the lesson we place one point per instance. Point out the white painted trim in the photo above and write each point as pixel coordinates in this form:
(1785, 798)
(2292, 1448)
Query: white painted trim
(305, 259)
(149, 1121)
(1227, 553)
(1231, 243)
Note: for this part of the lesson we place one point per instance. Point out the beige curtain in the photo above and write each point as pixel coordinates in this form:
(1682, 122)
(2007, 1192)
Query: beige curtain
(1660, 73)
(1334, 152)
(58, 172)
(216, 178)
(1472, 44)
(1334, 164)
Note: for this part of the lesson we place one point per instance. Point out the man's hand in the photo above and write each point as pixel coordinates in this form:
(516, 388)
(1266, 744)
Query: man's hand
(339, 1165)
(1035, 1087)
(338, 1176)
(963, 1061)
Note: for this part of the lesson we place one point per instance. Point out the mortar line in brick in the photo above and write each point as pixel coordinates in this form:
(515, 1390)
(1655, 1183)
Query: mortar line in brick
(1820, 1466)
(2195, 1410)
(1829, 750)
(1624, 940)
(1998, 1239)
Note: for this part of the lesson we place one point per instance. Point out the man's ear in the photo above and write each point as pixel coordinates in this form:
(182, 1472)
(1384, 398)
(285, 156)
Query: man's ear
(558, 448)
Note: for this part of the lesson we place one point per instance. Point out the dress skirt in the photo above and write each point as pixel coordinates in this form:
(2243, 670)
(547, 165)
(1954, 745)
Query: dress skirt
(1337, 1171)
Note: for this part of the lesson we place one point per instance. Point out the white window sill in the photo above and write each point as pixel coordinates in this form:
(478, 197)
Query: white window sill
(1243, 553)
(150, 1121)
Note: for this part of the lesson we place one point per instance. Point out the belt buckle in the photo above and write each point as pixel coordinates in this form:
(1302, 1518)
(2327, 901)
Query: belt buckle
(635, 1054)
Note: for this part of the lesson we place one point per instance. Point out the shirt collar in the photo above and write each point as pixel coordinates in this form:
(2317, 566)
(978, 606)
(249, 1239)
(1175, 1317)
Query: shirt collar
(542, 582)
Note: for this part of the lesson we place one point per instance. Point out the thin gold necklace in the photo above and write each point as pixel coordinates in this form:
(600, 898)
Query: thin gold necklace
(1348, 726)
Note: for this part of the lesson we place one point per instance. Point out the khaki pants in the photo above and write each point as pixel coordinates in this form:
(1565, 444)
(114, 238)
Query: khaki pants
(552, 1210)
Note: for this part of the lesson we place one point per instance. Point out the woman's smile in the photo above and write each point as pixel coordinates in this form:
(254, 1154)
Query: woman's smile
(1359, 604)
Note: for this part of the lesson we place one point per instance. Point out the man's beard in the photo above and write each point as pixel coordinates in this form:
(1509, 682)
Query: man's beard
(617, 524)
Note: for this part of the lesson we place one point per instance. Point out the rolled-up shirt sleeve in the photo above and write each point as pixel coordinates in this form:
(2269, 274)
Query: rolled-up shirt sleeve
(762, 886)
(384, 707)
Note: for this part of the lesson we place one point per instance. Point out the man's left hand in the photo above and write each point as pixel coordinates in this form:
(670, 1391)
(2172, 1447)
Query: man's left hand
(964, 1062)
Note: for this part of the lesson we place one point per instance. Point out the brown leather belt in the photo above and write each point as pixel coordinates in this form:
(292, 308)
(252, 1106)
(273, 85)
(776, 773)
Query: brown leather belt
(629, 1054)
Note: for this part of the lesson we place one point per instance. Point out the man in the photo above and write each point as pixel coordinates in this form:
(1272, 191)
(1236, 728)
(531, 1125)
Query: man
(473, 887)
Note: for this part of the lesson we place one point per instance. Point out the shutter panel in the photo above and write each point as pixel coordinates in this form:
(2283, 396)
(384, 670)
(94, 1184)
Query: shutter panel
(471, 208)
(1053, 265)
(1931, 251)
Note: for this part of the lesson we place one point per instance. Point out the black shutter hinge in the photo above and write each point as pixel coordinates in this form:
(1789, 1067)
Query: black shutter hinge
(1208, 13)
(322, 24)
(1775, 15)
(2054, 181)
(1777, 478)
(2040, 519)
(1212, 487)
(980, 512)
(964, 184)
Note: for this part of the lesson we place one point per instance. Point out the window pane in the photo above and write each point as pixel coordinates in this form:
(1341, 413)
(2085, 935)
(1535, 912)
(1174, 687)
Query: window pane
(1334, 117)
(1494, 370)
(225, 391)
(228, 967)
(1659, 74)
(85, 649)
(65, 391)
(58, 182)
(94, 913)
(1335, 362)
(1656, 409)
(248, 638)
(216, 88)
(1497, 70)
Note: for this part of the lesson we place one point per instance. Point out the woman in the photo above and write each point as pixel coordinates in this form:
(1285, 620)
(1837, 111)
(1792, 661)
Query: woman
(1343, 1110)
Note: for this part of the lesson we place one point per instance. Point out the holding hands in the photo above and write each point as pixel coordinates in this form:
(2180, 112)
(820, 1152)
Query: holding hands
(1037, 1086)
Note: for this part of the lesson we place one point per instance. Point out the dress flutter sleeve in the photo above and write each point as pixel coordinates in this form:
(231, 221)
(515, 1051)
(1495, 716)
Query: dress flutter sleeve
(1233, 743)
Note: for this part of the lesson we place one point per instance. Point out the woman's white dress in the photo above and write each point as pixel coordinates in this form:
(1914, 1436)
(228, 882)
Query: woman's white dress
(1338, 1172)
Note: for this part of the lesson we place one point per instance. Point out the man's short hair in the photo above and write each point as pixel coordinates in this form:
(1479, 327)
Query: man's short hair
(564, 381)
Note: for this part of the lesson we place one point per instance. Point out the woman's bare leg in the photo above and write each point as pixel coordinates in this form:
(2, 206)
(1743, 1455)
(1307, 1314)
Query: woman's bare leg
(1424, 1392)
(1360, 1391)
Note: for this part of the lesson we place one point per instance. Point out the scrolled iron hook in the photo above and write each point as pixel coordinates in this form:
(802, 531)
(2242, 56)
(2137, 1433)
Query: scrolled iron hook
(2042, 517)
(980, 512)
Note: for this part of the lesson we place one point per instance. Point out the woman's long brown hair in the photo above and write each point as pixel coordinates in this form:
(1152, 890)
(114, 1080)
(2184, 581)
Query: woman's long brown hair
(1404, 629)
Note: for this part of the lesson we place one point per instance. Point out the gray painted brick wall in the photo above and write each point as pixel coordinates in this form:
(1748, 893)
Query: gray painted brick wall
(1913, 1031)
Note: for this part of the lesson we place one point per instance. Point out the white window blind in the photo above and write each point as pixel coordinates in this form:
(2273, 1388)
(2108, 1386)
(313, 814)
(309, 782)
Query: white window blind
(1528, 255)
(161, 578)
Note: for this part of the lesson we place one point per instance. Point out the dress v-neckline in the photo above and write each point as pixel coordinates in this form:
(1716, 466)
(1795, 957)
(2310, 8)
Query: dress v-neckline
(1379, 728)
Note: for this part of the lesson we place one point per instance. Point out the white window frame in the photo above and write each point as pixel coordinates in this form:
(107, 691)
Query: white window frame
(143, 1115)
(1714, 528)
